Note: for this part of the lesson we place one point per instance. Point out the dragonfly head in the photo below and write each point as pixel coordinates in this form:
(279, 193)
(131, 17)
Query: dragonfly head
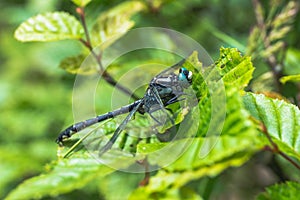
(185, 77)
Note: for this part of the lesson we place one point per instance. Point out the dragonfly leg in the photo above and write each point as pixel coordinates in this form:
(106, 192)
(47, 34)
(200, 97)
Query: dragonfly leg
(158, 122)
(160, 103)
(174, 100)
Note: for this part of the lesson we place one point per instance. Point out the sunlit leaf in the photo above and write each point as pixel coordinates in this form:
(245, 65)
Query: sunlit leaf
(107, 185)
(165, 181)
(224, 148)
(281, 120)
(238, 138)
(49, 27)
(291, 62)
(145, 193)
(211, 154)
(115, 22)
(231, 70)
(283, 191)
(291, 78)
(81, 3)
(65, 176)
(234, 68)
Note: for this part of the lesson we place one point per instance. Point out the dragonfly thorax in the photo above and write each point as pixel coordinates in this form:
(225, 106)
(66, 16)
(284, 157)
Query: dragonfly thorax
(165, 90)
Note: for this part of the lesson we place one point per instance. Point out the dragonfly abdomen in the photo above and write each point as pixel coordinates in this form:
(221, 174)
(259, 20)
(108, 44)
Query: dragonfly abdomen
(71, 130)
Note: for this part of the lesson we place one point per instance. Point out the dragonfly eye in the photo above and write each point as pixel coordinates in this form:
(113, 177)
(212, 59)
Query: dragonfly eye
(190, 75)
(185, 76)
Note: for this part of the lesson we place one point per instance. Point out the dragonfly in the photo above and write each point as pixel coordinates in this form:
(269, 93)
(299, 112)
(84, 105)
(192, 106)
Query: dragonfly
(164, 89)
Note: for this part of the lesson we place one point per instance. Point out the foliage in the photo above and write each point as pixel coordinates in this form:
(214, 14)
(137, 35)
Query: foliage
(265, 38)
(219, 157)
(112, 24)
(288, 190)
(35, 99)
(280, 119)
(295, 78)
(49, 27)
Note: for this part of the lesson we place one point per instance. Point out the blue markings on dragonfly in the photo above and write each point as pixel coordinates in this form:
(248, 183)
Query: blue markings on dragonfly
(164, 89)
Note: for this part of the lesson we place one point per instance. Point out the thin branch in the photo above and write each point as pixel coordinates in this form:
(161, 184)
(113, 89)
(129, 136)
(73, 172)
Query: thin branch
(289, 159)
(107, 77)
(146, 179)
(275, 149)
(87, 43)
(80, 11)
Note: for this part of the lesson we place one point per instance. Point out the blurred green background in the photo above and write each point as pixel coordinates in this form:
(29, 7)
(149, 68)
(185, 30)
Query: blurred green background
(35, 95)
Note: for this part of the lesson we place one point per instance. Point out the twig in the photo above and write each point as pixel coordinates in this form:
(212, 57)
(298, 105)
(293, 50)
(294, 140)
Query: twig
(146, 179)
(80, 11)
(289, 159)
(274, 148)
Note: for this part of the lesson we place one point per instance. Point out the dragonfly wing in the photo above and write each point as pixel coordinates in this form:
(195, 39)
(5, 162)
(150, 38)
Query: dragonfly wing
(120, 128)
(170, 70)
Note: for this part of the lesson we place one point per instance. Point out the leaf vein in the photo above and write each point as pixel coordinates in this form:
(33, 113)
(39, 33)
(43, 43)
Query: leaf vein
(278, 119)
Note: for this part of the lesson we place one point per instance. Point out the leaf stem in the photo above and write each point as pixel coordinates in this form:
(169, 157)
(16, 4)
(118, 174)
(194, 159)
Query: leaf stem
(289, 159)
(80, 11)
(146, 179)
(275, 149)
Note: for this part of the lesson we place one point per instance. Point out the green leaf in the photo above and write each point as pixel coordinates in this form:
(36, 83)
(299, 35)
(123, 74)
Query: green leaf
(211, 154)
(231, 70)
(235, 68)
(281, 120)
(239, 137)
(65, 176)
(14, 164)
(224, 148)
(128, 183)
(49, 27)
(79, 65)
(166, 181)
(283, 191)
(145, 193)
(291, 62)
(114, 23)
(81, 3)
(291, 78)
